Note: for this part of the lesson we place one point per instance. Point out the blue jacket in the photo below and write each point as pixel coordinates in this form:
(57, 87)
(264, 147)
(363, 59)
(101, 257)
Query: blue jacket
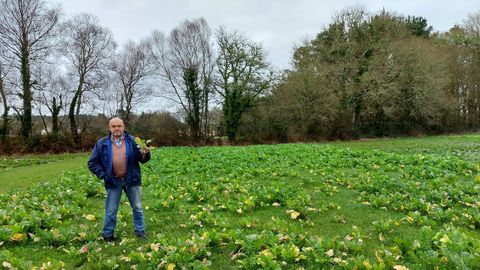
(100, 162)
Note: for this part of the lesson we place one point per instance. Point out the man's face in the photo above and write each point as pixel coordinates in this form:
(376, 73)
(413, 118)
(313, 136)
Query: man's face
(116, 127)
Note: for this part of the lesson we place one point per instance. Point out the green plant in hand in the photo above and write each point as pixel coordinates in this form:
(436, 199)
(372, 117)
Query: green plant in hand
(143, 144)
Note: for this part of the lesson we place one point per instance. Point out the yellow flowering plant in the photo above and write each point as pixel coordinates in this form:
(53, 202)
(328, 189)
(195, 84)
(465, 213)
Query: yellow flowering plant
(143, 144)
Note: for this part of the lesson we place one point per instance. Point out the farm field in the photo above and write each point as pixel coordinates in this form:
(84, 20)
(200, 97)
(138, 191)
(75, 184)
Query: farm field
(379, 204)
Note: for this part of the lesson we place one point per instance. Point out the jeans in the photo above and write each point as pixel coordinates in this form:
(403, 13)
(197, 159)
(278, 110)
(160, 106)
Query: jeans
(111, 208)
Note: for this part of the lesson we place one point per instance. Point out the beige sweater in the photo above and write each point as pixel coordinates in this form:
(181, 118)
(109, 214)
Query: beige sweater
(119, 160)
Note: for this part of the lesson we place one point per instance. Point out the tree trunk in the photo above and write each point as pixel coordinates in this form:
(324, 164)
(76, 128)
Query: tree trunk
(55, 112)
(27, 94)
(206, 130)
(128, 107)
(193, 94)
(72, 115)
(4, 130)
(233, 109)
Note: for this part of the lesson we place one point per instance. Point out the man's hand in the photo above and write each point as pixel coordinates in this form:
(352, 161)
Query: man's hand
(145, 151)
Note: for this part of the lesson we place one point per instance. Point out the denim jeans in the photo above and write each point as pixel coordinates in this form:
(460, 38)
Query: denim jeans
(111, 208)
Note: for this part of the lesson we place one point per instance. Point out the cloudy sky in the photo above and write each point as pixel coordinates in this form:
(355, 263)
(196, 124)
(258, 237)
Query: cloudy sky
(278, 24)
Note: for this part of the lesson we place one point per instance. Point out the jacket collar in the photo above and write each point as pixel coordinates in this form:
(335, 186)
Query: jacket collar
(106, 139)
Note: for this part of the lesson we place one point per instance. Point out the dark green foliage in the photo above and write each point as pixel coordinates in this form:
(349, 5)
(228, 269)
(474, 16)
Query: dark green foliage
(55, 110)
(418, 26)
(27, 92)
(233, 107)
(243, 75)
(193, 94)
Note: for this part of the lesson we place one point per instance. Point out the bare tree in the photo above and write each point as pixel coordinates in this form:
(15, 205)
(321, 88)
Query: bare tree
(472, 67)
(52, 94)
(185, 60)
(133, 67)
(243, 74)
(7, 83)
(472, 26)
(464, 66)
(26, 31)
(88, 47)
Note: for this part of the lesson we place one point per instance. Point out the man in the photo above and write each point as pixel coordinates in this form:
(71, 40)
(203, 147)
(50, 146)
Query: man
(115, 159)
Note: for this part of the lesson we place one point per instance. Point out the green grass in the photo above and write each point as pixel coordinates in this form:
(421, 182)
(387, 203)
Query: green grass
(380, 203)
(29, 175)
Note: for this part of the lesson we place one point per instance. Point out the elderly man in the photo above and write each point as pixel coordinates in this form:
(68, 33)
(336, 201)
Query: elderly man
(115, 159)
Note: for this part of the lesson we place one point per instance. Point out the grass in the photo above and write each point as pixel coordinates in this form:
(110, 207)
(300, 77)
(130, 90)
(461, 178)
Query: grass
(30, 175)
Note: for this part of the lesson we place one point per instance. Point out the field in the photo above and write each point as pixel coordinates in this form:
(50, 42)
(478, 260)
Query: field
(380, 204)
(20, 172)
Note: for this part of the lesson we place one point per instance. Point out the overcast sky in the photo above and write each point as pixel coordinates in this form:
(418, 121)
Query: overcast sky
(277, 24)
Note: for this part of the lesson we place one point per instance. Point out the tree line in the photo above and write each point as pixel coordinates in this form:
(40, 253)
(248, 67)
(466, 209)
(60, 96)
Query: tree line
(364, 74)
(378, 75)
